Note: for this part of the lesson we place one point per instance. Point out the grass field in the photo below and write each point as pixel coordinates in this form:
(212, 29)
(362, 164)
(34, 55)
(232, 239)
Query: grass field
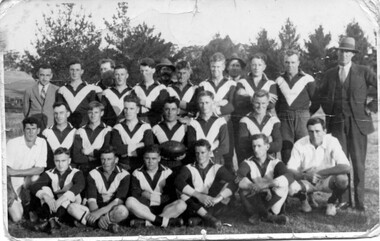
(315, 222)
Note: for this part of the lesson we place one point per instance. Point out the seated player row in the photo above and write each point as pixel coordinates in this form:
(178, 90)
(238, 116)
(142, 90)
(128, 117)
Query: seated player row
(317, 164)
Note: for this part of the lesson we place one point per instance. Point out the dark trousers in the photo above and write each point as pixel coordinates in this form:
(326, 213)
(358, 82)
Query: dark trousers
(293, 128)
(354, 145)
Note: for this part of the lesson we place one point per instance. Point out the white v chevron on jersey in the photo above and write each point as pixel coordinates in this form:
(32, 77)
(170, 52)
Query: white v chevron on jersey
(292, 93)
(101, 186)
(74, 100)
(144, 184)
(255, 173)
(248, 88)
(200, 185)
(53, 141)
(162, 136)
(55, 180)
(99, 140)
(116, 102)
(254, 129)
(212, 133)
(187, 96)
(136, 137)
(152, 96)
(222, 91)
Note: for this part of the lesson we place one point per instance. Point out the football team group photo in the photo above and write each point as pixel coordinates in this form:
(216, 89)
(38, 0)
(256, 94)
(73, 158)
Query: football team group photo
(227, 138)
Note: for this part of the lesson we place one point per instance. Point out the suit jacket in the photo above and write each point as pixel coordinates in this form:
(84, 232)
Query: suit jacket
(33, 104)
(360, 79)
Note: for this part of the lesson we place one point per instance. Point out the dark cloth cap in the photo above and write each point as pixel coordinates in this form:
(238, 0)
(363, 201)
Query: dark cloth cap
(235, 56)
(165, 62)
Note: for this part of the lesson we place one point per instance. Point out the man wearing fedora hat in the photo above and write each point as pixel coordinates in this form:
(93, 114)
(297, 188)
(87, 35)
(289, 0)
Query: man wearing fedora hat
(346, 100)
(165, 70)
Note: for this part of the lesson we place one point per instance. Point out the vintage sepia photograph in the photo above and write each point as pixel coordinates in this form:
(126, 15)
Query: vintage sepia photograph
(189, 119)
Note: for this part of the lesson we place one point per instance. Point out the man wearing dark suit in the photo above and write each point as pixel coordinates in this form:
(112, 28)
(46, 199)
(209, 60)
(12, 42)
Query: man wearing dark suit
(345, 98)
(39, 99)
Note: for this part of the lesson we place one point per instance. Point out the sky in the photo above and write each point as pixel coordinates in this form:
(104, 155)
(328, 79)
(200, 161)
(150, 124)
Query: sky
(195, 22)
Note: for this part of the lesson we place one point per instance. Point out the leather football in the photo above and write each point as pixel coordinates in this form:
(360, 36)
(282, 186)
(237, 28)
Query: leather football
(172, 149)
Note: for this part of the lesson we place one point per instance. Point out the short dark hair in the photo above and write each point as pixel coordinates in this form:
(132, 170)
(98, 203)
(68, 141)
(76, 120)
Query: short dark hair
(31, 120)
(107, 149)
(60, 103)
(259, 56)
(171, 100)
(316, 120)
(148, 62)
(205, 93)
(260, 136)
(45, 66)
(103, 61)
(62, 150)
(121, 66)
(183, 65)
(75, 61)
(132, 98)
(203, 142)
(152, 149)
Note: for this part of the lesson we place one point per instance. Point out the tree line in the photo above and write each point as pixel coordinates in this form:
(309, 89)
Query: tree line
(67, 31)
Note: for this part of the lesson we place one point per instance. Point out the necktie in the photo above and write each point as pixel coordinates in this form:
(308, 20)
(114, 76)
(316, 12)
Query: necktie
(342, 75)
(43, 93)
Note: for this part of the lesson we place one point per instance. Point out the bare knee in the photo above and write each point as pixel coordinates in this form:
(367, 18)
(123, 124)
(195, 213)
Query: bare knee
(341, 181)
(118, 214)
(294, 188)
(15, 212)
(181, 205)
(131, 203)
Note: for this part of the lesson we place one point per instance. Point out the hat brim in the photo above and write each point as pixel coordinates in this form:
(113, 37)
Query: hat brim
(242, 63)
(159, 66)
(348, 49)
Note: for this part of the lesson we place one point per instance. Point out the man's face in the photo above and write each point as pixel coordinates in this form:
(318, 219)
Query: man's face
(217, 69)
(171, 112)
(109, 161)
(61, 114)
(147, 72)
(260, 148)
(121, 76)
(31, 131)
(344, 57)
(183, 75)
(316, 134)
(257, 67)
(105, 67)
(44, 76)
(205, 104)
(291, 64)
(202, 154)
(234, 68)
(166, 72)
(76, 72)
(131, 110)
(260, 104)
(95, 115)
(151, 160)
(62, 162)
